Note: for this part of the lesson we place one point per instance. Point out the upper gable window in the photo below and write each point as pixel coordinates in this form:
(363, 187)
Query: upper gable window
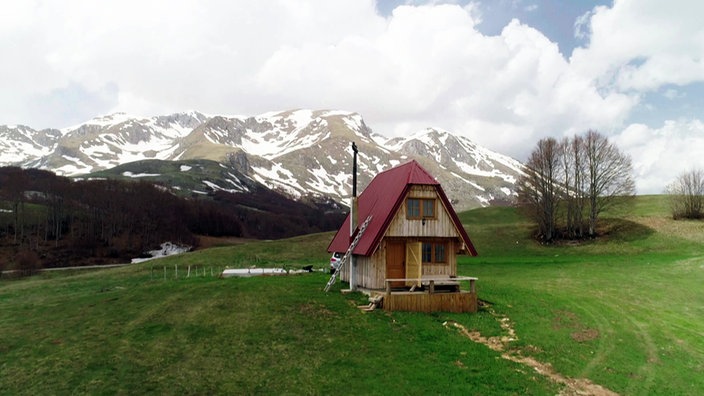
(417, 208)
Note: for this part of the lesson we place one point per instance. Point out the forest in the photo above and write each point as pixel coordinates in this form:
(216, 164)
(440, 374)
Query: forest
(52, 221)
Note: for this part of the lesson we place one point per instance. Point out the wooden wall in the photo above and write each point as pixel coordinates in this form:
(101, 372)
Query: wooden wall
(371, 271)
(441, 226)
(427, 302)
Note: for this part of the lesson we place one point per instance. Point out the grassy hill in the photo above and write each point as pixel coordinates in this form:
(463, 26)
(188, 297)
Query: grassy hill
(625, 311)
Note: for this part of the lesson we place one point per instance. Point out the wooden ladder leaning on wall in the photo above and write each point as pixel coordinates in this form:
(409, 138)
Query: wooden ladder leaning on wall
(347, 255)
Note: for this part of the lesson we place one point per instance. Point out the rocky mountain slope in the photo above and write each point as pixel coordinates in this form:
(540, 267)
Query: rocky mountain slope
(302, 153)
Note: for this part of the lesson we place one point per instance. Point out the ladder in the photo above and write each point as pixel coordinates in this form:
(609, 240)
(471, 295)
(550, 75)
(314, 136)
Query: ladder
(347, 255)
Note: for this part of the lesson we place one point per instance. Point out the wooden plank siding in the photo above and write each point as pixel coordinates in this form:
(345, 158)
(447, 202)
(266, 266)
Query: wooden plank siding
(430, 302)
(440, 226)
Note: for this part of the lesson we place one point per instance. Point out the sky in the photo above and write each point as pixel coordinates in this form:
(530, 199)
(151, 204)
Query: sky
(505, 73)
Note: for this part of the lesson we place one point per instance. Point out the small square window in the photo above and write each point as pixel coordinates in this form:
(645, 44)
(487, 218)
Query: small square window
(429, 208)
(417, 208)
(413, 208)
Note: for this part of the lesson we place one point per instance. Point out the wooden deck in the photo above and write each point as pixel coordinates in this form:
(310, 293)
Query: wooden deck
(438, 295)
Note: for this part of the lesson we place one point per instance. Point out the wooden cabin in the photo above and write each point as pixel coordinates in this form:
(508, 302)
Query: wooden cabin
(408, 251)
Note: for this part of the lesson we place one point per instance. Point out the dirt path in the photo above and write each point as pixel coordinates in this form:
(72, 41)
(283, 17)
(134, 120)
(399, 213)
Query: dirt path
(573, 386)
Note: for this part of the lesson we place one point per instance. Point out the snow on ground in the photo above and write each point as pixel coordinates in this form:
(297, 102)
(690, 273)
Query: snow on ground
(134, 175)
(21, 151)
(506, 191)
(185, 168)
(167, 249)
(466, 168)
(235, 181)
(216, 187)
(327, 183)
(473, 184)
(76, 167)
(278, 176)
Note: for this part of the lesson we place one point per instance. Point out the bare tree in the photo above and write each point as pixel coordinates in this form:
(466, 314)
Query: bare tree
(573, 186)
(538, 193)
(608, 175)
(687, 195)
(571, 180)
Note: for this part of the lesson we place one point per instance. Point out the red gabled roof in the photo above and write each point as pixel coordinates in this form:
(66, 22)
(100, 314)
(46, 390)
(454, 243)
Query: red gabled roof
(382, 199)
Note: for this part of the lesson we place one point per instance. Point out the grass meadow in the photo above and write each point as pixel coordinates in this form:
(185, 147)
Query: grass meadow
(625, 311)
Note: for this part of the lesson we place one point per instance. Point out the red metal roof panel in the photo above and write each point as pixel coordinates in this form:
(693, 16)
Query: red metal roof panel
(382, 199)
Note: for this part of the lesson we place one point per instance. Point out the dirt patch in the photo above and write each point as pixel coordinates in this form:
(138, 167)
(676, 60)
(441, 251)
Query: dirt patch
(573, 386)
(564, 320)
(585, 335)
(569, 320)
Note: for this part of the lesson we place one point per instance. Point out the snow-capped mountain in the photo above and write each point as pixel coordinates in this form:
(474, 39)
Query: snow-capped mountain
(300, 152)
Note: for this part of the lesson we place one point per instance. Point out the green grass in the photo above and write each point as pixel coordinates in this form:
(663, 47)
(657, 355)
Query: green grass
(625, 311)
(124, 331)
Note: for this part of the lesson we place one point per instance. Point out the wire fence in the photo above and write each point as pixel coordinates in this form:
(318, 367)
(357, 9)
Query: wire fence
(169, 272)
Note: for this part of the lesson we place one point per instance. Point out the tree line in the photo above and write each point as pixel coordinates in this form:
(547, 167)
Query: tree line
(51, 221)
(570, 182)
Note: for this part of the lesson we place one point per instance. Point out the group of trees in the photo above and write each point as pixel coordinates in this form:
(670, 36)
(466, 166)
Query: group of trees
(62, 222)
(686, 195)
(568, 184)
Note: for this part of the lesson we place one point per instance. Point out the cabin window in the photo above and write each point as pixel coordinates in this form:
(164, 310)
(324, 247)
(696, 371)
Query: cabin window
(413, 208)
(417, 208)
(429, 208)
(440, 253)
(427, 252)
(434, 253)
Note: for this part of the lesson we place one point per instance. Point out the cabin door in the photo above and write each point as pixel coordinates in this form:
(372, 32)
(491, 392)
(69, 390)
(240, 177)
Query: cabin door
(396, 262)
(414, 263)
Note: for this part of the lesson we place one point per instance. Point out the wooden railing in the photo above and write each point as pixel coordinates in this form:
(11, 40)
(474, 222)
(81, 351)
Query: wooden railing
(433, 281)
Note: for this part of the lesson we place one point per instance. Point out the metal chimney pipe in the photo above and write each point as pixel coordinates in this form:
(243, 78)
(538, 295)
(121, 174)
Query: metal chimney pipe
(353, 218)
(354, 169)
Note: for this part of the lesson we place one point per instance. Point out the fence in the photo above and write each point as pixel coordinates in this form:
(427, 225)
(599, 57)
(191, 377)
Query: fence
(167, 272)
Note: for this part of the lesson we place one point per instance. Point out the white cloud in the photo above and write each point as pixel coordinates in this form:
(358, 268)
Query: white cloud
(640, 45)
(424, 64)
(660, 155)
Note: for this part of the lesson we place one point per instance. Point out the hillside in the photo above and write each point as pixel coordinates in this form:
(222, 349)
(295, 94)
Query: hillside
(623, 311)
(111, 217)
(302, 153)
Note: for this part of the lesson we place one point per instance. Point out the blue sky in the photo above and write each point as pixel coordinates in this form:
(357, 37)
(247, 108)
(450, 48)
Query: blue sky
(504, 73)
(554, 18)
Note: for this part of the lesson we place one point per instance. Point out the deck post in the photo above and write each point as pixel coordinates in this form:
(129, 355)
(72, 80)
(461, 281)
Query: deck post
(432, 286)
(472, 286)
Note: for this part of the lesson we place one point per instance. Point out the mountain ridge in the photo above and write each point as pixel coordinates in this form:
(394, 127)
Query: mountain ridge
(297, 152)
